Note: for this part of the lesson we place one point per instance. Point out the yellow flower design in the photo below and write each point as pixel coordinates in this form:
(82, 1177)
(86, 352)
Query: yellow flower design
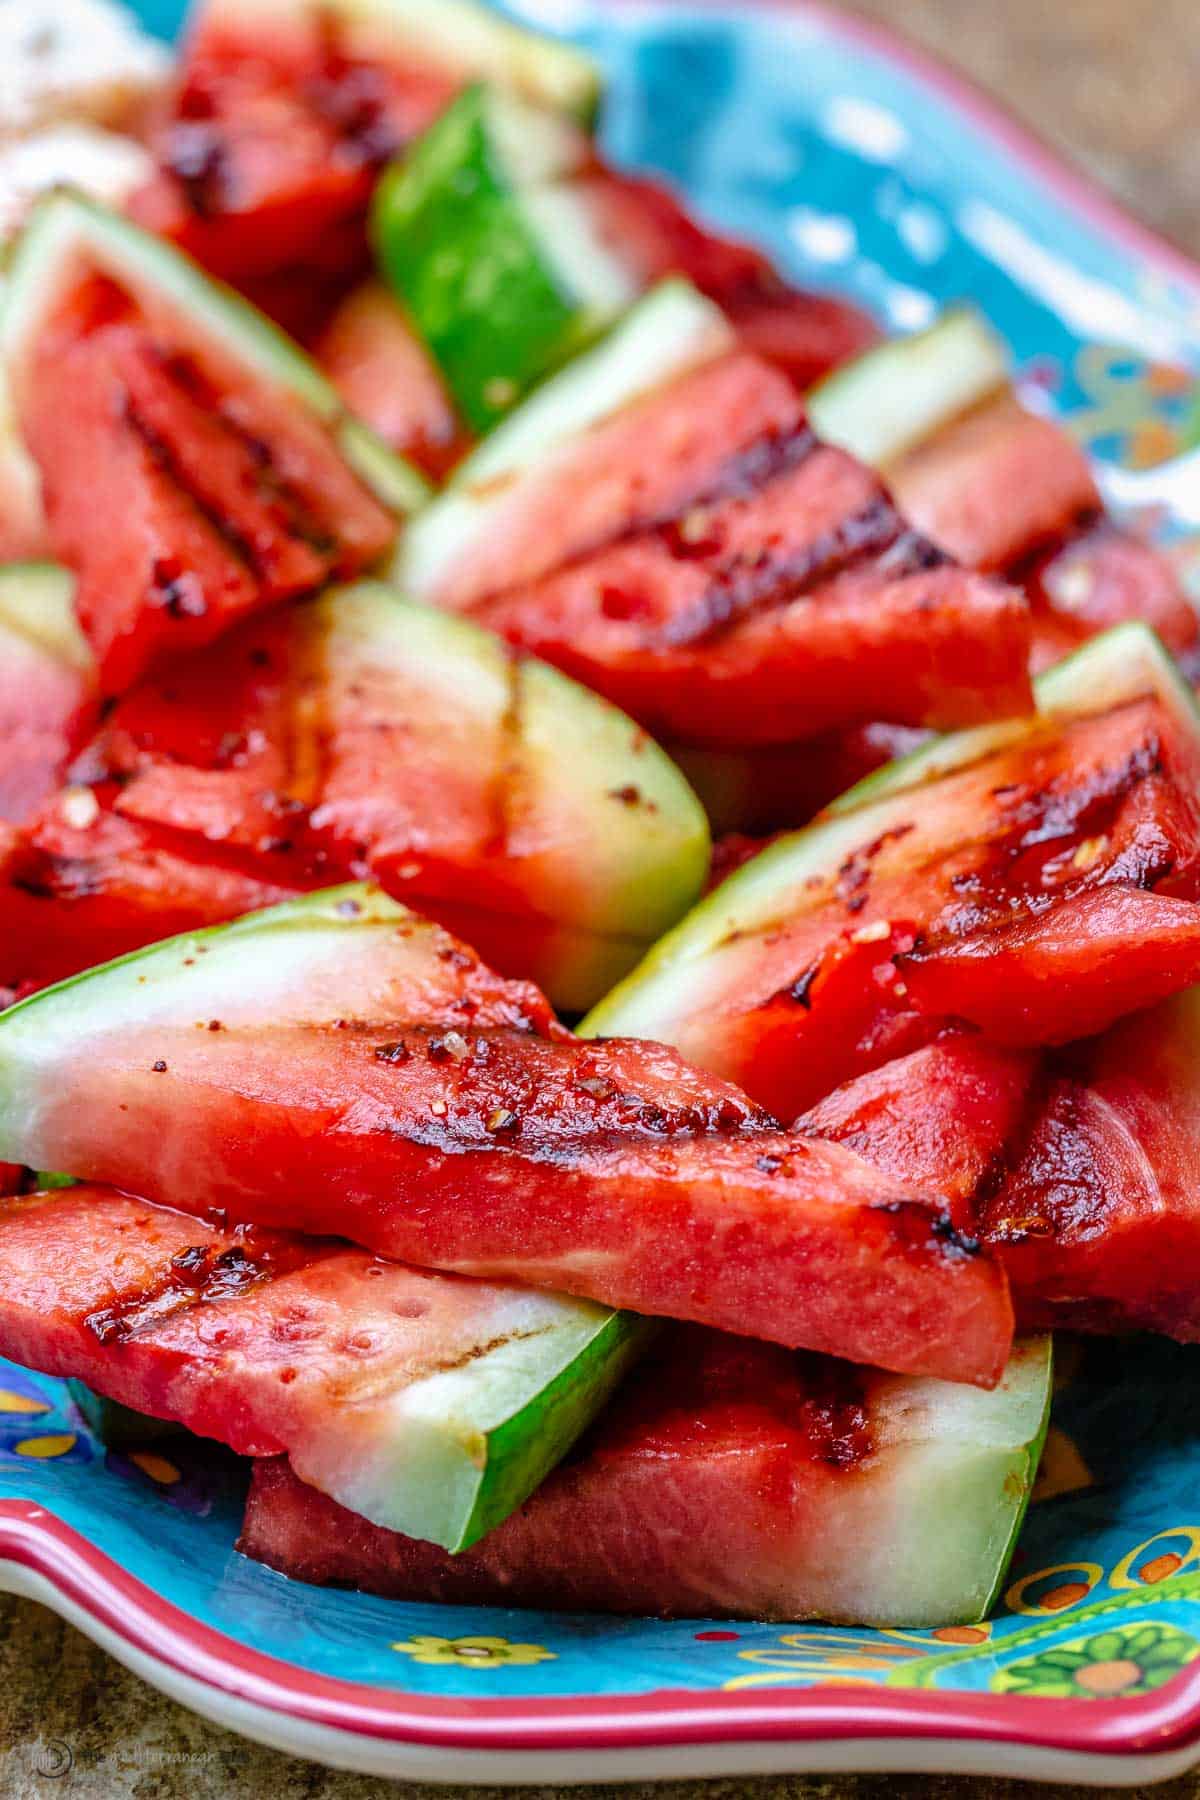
(474, 1652)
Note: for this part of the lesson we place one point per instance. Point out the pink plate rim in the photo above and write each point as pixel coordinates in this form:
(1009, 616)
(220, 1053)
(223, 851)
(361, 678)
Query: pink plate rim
(35, 1539)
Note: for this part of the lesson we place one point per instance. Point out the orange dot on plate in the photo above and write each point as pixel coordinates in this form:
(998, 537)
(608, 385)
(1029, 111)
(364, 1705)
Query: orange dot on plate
(1159, 1567)
(960, 1634)
(44, 1449)
(1066, 1595)
(1108, 1677)
(12, 1402)
(156, 1467)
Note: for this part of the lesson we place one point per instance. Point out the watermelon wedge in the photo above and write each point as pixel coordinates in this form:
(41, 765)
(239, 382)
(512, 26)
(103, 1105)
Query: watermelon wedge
(732, 1479)
(479, 234)
(285, 111)
(1036, 878)
(512, 245)
(210, 469)
(360, 732)
(48, 699)
(386, 377)
(737, 584)
(338, 1065)
(1099, 1219)
(423, 1402)
(1076, 1168)
(998, 486)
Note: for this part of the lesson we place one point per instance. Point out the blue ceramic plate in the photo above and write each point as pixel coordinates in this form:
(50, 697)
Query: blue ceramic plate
(864, 169)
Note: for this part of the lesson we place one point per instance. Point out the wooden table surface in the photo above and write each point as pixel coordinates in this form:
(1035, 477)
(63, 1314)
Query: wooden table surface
(1115, 86)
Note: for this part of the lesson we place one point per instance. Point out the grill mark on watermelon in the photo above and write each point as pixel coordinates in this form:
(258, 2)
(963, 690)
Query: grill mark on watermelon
(161, 455)
(1035, 865)
(917, 1227)
(202, 1275)
(185, 374)
(502, 793)
(197, 157)
(351, 97)
(772, 580)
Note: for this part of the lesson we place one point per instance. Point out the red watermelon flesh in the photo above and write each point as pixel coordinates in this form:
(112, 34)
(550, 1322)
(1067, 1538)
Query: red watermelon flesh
(47, 708)
(805, 334)
(81, 884)
(1004, 488)
(183, 495)
(386, 376)
(787, 598)
(374, 1080)
(1078, 1169)
(731, 1479)
(1098, 578)
(270, 144)
(777, 787)
(1038, 893)
(996, 484)
(950, 1115)
(1099, 1219)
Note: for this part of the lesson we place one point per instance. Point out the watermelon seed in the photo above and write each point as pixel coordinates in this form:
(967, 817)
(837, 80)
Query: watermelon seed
(160, 1067)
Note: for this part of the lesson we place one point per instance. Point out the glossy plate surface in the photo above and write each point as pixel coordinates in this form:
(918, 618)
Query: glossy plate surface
(864, 169)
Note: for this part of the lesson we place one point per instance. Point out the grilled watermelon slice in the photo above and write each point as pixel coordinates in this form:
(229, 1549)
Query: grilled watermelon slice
(359, 731)
(209, 468)
(424, 1402)
(1077, 1168)
(568, 469)
(478, 231)
(732, 1479)
(722, 575)
(998, 486)
(48, 699)
(285, 111)
(1099, 1218)
(1035, 878)
(339, 1065)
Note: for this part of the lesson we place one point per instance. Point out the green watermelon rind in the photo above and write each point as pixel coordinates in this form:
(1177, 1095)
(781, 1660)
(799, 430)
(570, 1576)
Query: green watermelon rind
(952, 1492)
(896, 395)
(523, 1447)
(66, 226)
(491, 252)
(37, 599)
(1120, 665)
(671, 330)
(644, 864)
